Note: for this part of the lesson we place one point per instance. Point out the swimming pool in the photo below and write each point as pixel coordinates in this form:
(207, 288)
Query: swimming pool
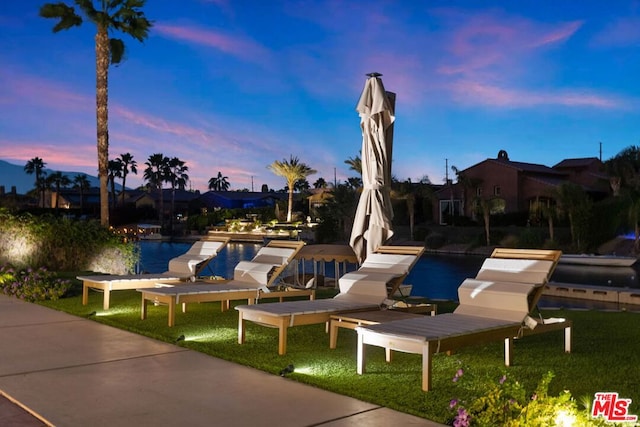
(434, 276)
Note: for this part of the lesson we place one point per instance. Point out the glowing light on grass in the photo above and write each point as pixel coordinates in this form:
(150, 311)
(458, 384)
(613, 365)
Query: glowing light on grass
(214, 335)
(305, 370)
(565, 418)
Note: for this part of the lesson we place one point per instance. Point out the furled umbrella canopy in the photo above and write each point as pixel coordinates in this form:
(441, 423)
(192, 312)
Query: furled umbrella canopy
(372, 223)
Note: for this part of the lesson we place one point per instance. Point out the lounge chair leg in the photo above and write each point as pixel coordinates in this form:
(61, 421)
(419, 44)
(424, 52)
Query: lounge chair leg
(282, 339)
(508, 351)
(172, 312)
(143, 311)
(85, 294)
(240, 328)
(567, 339)
(426, 366)
(105, 302)
(360, 356)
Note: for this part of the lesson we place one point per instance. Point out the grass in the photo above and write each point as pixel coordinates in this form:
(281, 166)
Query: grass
(605, 357)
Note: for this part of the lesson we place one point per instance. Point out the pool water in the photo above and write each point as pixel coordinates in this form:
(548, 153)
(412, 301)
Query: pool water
(433, 276)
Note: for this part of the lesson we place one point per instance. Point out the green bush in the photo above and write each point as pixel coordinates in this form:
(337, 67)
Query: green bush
(62, 244)
(32, 285)
(506, 403)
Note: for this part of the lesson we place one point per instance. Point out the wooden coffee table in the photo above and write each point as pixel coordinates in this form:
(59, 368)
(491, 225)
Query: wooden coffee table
(355, 319)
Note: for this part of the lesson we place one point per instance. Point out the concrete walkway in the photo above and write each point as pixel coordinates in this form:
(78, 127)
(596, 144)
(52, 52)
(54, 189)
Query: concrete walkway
(64, 371)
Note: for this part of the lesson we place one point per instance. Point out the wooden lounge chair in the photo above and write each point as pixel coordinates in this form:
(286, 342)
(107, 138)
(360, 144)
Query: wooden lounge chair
(362, 290)
(180, 269)
(493, 306)
(252, 280)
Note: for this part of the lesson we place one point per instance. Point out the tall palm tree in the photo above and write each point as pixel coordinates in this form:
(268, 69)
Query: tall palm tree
(219, 183)
(58, 181)
(176, 175)
(155, 175)
(81, 182)
(36, 166)
(128, 165)
(292, 170)
(108, 16)
(114, 171)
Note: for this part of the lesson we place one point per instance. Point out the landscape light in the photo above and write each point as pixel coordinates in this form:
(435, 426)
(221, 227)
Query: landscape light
(93, 313)
(180, 338)
(287, 370)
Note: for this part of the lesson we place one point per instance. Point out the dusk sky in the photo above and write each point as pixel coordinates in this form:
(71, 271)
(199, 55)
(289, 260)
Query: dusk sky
(232, 86)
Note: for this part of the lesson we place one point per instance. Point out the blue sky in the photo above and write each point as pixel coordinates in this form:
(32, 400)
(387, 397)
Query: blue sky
(232, 86)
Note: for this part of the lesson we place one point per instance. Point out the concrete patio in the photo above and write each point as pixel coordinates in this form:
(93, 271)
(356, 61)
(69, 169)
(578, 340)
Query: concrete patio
(64, 370)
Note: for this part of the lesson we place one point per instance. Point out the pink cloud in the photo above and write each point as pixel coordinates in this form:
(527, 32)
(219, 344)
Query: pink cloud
(484, 42)
(479, 93)
(239, 47)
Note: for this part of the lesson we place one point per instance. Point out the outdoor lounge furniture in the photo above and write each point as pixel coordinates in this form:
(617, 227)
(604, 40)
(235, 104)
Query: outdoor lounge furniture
(495, 305)
(182, 268)
(252, 280)
(361, 290)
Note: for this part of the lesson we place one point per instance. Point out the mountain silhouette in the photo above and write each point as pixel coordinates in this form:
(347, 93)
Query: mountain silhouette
(12, 175)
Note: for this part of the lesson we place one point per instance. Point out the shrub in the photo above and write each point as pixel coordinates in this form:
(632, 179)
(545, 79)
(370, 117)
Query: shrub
(505, 402)
(62, 244)
(435, 240)
(32, 285)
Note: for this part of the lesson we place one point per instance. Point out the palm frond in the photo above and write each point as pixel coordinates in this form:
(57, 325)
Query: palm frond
(66, 14)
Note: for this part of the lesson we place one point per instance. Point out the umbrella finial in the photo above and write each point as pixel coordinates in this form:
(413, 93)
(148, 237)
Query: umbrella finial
(374, 74)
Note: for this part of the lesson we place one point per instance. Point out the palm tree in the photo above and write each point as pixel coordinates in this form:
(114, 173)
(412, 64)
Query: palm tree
(128, 165)
(219, 183)
(58, 181)
(320, 183)
(355, 163)
(155, 175)
(81, 182)
(575, 204)
(176, 175)
(36, 166)
(108, 16)
(292, 170)
(115, 171)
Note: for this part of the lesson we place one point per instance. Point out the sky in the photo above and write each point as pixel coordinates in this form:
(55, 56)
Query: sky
(231, 86)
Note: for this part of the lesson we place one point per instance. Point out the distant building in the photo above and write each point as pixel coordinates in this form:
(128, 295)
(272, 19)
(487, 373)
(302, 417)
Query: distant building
(240, 199)
(515, 186)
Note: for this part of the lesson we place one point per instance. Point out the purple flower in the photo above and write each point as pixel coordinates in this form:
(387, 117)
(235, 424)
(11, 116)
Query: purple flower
(453, 403)
(462, 419)
(503, 379)
(534, 396)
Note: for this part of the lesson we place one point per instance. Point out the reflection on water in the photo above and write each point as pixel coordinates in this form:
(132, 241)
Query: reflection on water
(619, 277)
(434, 276)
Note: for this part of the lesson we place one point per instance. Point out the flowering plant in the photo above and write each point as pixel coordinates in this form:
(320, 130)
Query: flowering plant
(32, 284)
(505, 403)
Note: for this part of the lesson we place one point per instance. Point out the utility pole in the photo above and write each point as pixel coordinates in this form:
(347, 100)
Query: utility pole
(252, 183)
(335, 179)
(601, 151)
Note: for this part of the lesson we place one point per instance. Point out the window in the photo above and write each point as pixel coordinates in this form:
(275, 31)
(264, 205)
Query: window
(478, 191)
(496, 190)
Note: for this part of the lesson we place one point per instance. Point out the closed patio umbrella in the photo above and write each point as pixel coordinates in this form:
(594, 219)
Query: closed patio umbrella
(372, 223)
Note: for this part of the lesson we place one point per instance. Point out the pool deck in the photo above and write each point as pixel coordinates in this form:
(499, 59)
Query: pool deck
(60, 370)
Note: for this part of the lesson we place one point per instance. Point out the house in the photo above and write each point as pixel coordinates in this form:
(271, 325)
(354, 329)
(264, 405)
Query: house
(182, 199)
(515, 186)
(240, 199)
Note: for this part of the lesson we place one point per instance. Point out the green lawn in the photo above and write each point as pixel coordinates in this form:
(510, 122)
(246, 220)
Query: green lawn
(605, 357)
